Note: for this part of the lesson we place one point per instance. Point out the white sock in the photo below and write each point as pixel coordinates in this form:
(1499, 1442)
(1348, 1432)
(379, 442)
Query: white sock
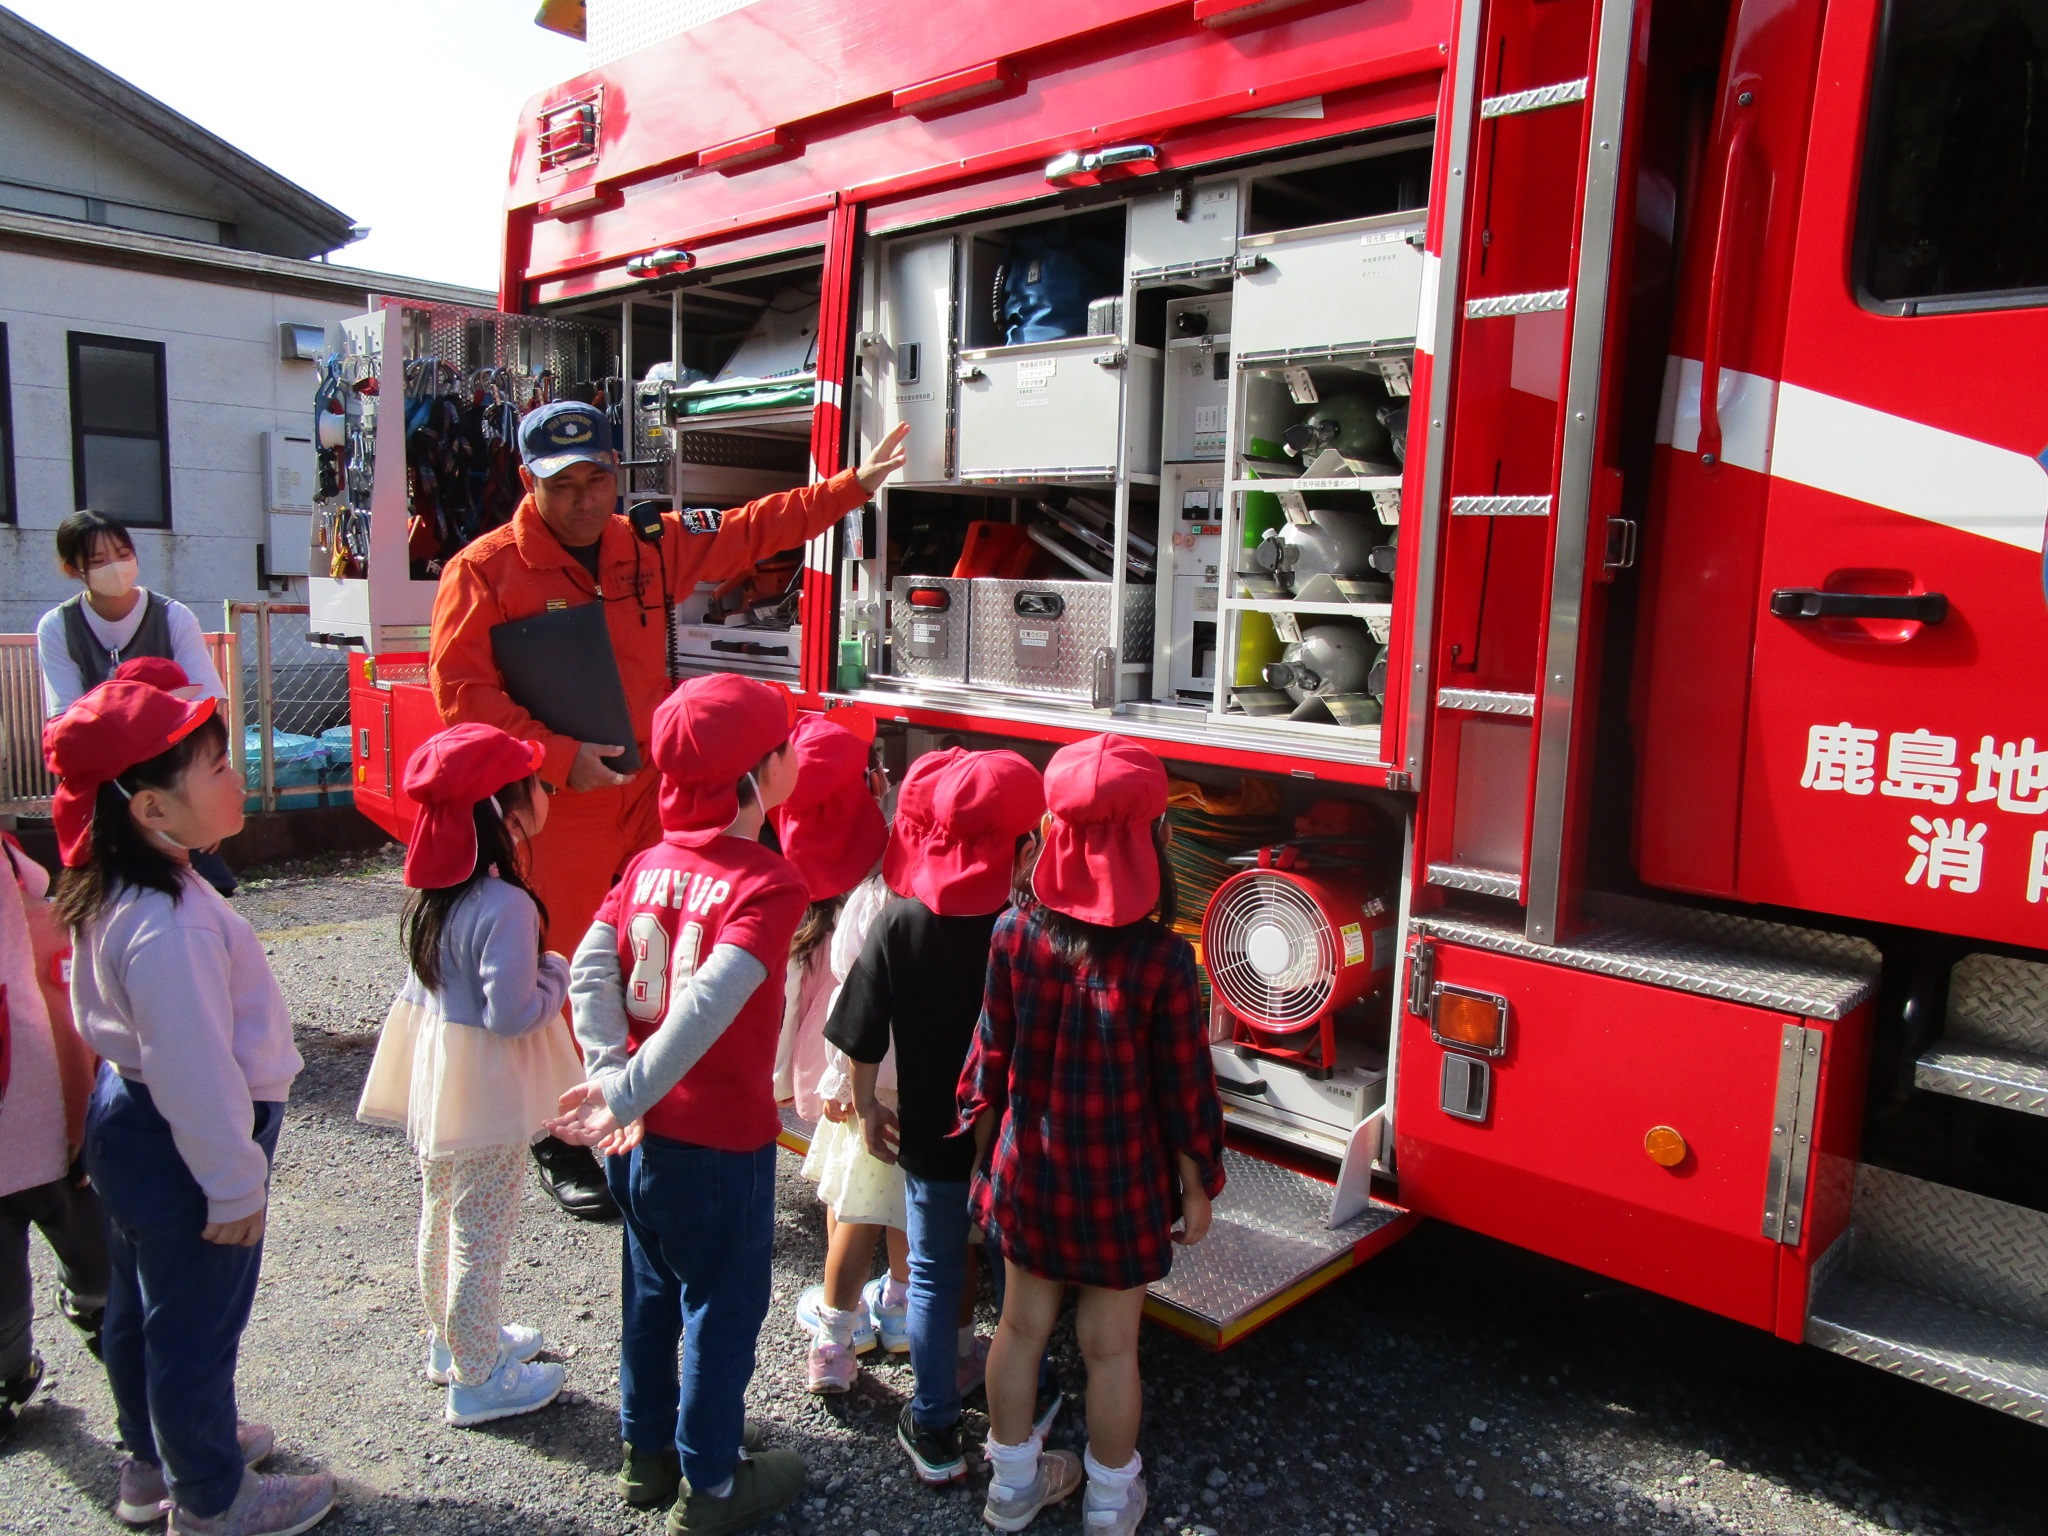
(1012, 1467)
(722, 1491)
(1108, 1487)
(896, 1293)
(836, 1326)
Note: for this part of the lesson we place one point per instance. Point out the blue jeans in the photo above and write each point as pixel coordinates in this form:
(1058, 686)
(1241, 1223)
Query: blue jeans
(937, 1223)
(699, 1239)
(176, 1304)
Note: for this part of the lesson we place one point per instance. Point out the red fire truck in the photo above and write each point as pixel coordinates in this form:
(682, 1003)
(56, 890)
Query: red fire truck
(1559, 481)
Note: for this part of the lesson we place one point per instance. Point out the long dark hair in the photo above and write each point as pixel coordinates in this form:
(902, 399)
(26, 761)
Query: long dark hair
(497, 852)
(1077, 942)
(122, 853)
(814, 928)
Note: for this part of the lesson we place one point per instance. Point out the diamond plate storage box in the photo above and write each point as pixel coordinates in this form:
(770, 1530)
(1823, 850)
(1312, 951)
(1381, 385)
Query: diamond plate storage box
(1052, 637)
(928, 619)
(1330, 287)
(1050, 409)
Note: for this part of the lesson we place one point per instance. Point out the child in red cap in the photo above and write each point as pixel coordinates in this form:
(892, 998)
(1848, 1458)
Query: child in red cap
(863, 1196)
(833, 830)
(1091, 1053)
(170, 986)
(677, 997)
(918, 989)
(469, 1063)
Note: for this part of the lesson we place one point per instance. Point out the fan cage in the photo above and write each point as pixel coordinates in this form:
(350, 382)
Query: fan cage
(1297, 996)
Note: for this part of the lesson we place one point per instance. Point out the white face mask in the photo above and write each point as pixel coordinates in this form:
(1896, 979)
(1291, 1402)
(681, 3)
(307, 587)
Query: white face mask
(114, 579)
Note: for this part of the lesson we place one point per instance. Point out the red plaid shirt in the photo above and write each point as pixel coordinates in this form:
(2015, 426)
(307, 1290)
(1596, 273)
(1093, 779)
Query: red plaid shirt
(1101, 1073)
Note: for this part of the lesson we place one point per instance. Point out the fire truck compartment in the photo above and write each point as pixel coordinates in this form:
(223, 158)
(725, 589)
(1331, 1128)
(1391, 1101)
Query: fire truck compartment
(1200, 456)
(1665, 1108)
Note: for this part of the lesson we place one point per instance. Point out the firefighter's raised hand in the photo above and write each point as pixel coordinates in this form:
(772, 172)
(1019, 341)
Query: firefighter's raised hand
(588, 771)
(889, 456)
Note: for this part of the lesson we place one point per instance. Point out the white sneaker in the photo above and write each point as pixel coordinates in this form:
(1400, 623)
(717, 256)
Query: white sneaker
(515, 1343)
(514, 1388)
(1116, 1522)
(892, 1324)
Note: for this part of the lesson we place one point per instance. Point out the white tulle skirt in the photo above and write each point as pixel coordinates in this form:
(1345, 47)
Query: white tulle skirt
(857, 1185)
(458, 1087)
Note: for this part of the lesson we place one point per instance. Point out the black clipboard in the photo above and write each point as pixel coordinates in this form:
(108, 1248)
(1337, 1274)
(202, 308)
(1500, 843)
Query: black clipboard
(559, 667)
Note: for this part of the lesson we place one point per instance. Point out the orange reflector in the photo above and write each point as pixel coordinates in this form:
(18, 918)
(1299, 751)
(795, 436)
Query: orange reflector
(1666, 1147)
(1469, 1021)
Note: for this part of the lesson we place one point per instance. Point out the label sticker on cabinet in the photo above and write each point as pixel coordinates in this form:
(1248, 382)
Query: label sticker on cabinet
(1354, 942)
(1034, 374)
(1208, 418)
(1035, 637)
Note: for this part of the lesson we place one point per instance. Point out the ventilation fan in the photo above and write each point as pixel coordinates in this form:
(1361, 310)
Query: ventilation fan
(1288, 948)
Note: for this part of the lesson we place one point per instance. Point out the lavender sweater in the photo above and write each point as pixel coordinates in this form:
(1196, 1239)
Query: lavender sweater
(178, 996)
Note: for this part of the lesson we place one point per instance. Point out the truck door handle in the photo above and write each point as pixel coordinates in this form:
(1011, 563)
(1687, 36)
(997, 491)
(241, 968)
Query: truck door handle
(1811, 603)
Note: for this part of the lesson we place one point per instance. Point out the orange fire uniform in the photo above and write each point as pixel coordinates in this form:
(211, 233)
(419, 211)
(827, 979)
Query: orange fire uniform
(521, 569)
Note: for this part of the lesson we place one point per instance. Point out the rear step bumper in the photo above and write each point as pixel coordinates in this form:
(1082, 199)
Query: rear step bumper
(1270, 1246)
(1943, 1287)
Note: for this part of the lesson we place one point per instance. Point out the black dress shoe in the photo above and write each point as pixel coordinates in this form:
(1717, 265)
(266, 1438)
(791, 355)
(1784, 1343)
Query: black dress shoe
(573, 1180)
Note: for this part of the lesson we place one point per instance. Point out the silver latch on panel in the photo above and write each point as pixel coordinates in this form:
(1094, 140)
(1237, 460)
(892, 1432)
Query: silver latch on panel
(967, 373)
(1250, 261)
(1621, 544)
(1113, 358)
(1102, 678)
(1421, 976)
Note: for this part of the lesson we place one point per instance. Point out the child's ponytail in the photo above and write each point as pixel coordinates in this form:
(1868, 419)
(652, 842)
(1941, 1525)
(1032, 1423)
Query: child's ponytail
(497, 852)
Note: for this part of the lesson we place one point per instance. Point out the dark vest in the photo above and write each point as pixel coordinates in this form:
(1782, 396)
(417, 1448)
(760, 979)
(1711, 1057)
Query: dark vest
(94, 661)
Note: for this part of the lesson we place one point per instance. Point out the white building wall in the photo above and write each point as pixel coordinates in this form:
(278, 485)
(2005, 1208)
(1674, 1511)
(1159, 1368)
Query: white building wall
(225, 386)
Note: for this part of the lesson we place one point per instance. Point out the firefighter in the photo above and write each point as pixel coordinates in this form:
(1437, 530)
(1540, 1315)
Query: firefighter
(566, 544)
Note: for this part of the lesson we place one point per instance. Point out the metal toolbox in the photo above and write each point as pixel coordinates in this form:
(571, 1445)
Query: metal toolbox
(729, 648)
(928, 619)
(1329, 288)
(1052, 409)
(1052, 637)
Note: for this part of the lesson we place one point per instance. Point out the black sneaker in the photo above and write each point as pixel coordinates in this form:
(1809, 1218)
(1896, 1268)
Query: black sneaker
(934, 1452)
(86, 1320)
(16, 1390)
(573, 1180)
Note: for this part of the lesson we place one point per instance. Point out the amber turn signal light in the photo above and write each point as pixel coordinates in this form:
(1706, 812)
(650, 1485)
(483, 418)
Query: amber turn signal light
(1466, 1020)
(1666, 1148)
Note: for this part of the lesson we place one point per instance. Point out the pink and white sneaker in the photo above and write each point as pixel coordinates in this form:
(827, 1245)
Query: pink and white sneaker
(831, 1367)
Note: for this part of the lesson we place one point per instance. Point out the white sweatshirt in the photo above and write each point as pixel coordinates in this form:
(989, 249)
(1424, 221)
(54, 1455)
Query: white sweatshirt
(178, 996)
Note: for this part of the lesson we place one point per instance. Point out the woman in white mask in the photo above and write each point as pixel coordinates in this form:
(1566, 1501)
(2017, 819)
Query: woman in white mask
(82, 640)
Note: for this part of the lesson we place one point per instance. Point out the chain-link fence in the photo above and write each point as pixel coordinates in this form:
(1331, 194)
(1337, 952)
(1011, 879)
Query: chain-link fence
(287, 709)
(291, 697)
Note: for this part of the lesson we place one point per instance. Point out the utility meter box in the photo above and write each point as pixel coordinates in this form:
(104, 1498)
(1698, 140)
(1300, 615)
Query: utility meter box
(1329, 287)
(1053, 409)
(289, 471)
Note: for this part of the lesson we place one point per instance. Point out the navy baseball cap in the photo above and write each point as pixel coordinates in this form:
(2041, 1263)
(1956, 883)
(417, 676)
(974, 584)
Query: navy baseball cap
(564, 433)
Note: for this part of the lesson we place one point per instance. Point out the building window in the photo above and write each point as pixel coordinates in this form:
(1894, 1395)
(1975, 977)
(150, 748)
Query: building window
(120, 452)
(1954, 206)
(6, 435)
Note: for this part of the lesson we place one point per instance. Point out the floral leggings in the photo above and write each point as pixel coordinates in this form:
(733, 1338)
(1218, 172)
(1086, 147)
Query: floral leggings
(469, 1206)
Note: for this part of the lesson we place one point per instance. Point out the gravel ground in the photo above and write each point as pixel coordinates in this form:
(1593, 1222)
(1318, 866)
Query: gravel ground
(1453, 1385)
